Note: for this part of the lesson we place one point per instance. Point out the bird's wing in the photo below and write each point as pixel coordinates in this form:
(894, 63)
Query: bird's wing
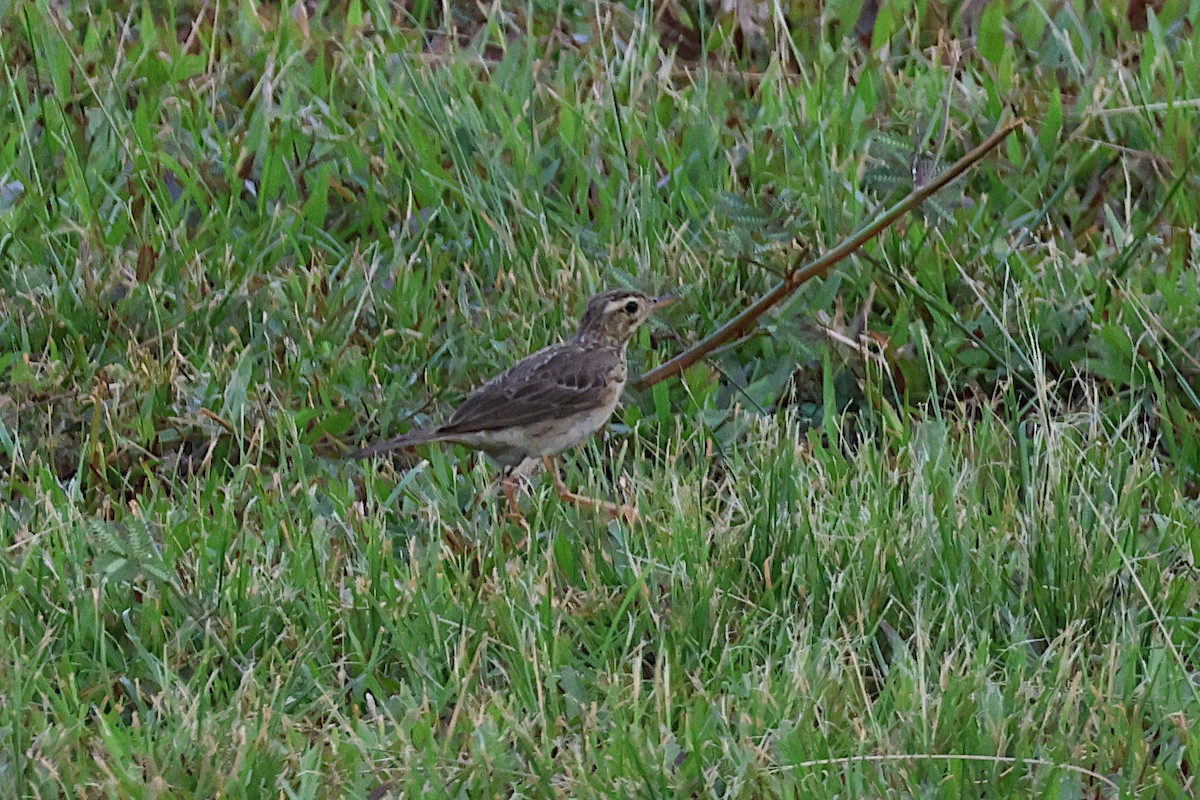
(557, 382)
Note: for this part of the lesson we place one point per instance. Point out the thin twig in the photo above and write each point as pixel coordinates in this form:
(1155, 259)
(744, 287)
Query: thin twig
(743, 321)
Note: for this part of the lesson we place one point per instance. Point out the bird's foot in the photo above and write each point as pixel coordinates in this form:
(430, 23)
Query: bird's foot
(618, 511)
(519, 518)
(626, 513)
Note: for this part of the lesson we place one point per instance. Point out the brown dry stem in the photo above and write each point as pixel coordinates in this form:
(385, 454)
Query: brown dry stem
(740, 324)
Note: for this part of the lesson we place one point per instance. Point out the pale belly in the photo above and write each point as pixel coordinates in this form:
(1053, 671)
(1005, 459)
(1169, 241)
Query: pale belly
(512, 446)
(554, 437)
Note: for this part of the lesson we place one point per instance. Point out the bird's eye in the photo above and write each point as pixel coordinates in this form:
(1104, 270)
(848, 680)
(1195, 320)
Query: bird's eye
(631, 307)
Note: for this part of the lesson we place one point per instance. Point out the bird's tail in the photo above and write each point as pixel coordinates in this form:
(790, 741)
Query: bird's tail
(410, 439)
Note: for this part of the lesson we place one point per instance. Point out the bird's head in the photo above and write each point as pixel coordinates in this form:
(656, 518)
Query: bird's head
(613, 316)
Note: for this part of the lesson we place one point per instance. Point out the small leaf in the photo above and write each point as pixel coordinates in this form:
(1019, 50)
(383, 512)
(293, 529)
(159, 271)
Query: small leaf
(885, 26)
(1052, 123)
(333, 425)
(146, 259)
(991, 32)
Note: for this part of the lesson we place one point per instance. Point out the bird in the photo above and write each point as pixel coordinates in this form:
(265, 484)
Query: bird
(549, 401)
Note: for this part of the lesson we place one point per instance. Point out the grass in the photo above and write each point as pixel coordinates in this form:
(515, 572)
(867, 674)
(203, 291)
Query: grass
(951, 553)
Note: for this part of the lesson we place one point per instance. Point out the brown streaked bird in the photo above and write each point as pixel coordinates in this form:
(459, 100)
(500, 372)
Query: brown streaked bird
(549, 401)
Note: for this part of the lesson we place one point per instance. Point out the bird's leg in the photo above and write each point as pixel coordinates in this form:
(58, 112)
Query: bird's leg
(509, 485)
(623, 512)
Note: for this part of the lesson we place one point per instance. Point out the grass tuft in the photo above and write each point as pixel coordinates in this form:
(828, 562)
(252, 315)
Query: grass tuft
(931, 529)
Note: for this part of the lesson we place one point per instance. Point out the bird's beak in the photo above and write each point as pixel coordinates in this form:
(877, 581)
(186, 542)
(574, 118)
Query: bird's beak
(664, 301)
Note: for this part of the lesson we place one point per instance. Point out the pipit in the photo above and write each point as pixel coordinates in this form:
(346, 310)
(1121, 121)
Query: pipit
(549, 401)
